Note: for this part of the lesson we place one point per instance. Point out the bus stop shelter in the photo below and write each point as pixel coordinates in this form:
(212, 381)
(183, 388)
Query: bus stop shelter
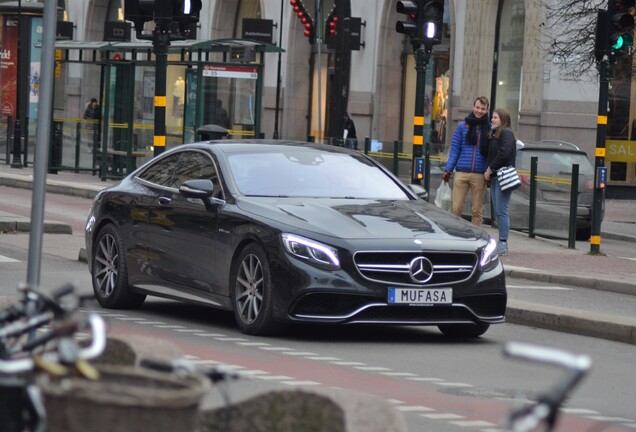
(213, 87)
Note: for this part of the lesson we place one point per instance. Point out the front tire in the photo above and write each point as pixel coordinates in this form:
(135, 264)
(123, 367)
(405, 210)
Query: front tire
(463, 331)
(110, 274)
(252, 295)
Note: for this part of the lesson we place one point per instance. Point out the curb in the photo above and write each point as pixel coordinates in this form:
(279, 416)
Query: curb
(11, 224)
(571, 321)
(84, 191)
(619, 287)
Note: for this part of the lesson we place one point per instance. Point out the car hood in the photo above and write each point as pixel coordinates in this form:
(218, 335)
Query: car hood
(363, 219)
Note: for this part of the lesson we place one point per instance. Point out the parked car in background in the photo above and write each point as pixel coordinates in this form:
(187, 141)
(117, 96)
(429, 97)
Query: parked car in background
(282, 231)
(555, 159)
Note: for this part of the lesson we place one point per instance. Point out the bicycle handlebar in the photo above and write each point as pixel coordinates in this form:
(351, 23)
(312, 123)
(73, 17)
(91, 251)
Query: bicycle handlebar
(547, 406)
(551, 356)
(96, 347)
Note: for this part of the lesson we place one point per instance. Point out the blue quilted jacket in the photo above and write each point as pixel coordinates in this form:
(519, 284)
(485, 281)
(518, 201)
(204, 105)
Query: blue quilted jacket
(463, 156)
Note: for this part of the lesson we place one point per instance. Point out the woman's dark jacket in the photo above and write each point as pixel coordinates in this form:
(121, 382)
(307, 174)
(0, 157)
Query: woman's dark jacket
(501, 151)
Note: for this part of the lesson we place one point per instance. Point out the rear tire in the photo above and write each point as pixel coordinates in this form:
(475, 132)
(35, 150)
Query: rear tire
(110, 274)
(463, 331)
(252, 296)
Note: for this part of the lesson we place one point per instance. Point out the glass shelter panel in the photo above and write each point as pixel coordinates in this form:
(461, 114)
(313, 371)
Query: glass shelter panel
(229, 98)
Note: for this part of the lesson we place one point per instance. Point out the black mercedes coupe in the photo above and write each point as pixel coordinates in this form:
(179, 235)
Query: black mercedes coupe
(281, 231)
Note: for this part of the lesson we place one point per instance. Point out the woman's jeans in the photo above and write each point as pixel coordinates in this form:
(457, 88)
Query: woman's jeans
(501, 204)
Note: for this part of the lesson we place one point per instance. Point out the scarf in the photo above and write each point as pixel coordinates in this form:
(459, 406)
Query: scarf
(473, 124)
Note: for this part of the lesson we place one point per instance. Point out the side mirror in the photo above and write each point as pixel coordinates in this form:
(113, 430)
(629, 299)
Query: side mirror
(197, 188)
(419, 191)
(204, 190)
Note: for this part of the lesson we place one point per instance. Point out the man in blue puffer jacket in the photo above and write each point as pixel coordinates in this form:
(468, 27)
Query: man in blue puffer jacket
(467, 158)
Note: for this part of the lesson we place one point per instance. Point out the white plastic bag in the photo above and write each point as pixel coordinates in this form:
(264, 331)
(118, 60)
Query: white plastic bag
(443, 197)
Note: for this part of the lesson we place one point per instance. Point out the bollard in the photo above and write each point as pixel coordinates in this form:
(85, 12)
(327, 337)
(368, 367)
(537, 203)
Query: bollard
(367, 145)
(396, 160)
(9, 132)
(533, 196)
(574, 193)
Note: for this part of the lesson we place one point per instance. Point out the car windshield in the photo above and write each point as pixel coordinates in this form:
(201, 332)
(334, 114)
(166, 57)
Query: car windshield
(309, 172)
(554, 163)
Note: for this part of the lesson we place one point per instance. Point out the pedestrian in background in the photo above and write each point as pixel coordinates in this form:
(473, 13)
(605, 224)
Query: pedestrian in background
(349, 133)
(501, 153)
(467, 157)
(93, 112)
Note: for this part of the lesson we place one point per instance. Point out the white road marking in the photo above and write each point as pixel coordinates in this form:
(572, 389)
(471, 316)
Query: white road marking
(579, 411)
(125, 318)
(6, 259)
(324, 358)
(300, 383)
(398, 374)
(274, 377)
(473, 423)
(450, 384)
(372, 368)
(271, 348)
(214, 335)
(442, 416)
(610, 419)
(253, 372)
(424, 379)
(348, 363)
(543, 288)
(169, 326)
(414, 408)
(255, 344)
(151, 322)
(300, 353)
(187, 330)
(231, 339)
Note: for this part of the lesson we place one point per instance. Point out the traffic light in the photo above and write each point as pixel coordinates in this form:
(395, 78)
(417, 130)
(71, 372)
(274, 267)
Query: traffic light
(621, 25)
(408, 27)
(139, 12)
(185, 13)
(431, 20)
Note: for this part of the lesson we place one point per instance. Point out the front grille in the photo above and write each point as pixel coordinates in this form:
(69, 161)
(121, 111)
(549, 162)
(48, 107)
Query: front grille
(393, 267)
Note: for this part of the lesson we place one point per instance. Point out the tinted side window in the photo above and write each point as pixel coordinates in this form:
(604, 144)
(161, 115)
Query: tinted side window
(161, 172)
(193, 165)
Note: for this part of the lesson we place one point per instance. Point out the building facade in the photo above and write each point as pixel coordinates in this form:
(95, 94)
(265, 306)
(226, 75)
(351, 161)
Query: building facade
(494, 48)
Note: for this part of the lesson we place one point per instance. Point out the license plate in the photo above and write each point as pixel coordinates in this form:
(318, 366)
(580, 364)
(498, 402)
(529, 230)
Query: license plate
(421, 296)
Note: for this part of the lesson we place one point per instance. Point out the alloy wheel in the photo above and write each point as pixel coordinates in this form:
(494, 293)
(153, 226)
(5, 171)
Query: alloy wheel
(249, 288)
(106, 261)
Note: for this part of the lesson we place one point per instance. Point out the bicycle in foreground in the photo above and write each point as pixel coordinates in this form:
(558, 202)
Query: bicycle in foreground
(543, 414)
(39, 334)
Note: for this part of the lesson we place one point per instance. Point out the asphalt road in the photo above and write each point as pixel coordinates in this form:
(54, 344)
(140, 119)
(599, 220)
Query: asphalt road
(437, 384)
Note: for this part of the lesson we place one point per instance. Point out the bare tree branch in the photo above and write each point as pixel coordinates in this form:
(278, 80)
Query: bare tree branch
(569, 34)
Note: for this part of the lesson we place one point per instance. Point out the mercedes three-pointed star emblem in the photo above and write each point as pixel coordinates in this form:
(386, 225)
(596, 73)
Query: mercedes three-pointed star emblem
(421, 270)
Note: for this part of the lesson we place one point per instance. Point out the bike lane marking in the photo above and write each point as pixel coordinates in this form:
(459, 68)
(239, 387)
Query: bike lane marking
(469, 410)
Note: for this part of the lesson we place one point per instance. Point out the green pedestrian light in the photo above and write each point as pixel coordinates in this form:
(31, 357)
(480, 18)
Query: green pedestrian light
(621, 15)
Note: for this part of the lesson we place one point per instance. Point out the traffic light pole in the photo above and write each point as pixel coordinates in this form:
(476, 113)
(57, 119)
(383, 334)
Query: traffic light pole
(422, 56)
(161, 42)
(599, 160)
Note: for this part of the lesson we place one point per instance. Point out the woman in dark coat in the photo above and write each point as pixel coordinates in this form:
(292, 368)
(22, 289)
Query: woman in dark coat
(501, 153)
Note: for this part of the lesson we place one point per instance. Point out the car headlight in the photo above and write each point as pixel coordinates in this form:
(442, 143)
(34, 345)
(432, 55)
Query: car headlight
(489, 255)
(313, 252)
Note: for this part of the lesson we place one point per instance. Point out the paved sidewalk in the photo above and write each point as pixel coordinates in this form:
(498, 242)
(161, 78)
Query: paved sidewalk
(536, 259)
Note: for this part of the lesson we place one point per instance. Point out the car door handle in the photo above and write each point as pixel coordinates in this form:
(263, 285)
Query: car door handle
(164, 200)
